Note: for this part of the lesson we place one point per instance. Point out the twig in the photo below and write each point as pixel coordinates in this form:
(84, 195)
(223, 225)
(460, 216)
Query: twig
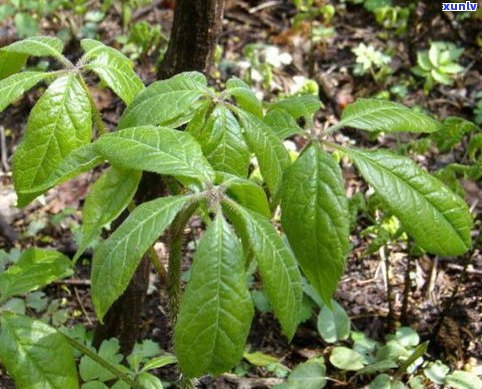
(76, 282)
(3, 150)
(79, 300)
(386, 261)
(264, 5)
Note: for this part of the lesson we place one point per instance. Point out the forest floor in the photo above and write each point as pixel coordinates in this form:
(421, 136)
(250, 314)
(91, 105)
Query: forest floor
(442, 292)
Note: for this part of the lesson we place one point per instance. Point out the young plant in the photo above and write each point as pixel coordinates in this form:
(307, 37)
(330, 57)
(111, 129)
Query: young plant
(371, 61)
(438, 65)
(210, 162)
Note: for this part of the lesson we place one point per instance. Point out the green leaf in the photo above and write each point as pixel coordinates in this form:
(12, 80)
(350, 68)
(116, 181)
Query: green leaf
(223, 143)
(382, 115)
(438, 220)
(260, 359)
(272, 156)
(34, 269)
(78, 161)
(156, 149)
(39, 46)
(277, 266)
(11, 88)
(11, 63)
(90, 370)
(282, 123)
(116, 259)
(436, 372)
(452, 132)
(315, 218)
(384, 381)
(158, 362)
(245, 192)
(165, 101)
(59, 123)
(147, 380)
(93, 48)
(346, 359)
(245, 98)
(333, 323)
(118, 75)
(308, 375)
(216, 309)
(26, 25)
(35, 354)
(378, 367)
(304, 106)
(463, 380)
(109, 196)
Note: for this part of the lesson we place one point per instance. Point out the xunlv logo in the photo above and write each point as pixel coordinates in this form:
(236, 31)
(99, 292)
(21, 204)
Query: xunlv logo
(467, 6)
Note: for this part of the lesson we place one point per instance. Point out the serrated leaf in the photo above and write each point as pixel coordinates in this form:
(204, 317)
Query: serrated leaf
(59, 123)
(223, 143)
(272, 156)
(315, 217)
(165, 101)
(452, 132)
(11, 63)
(35, 354)
(282, 123)
(39, 46)
(245, 98)
(438, 220)
(304, 106)
(346, 359)
(109, 351)
(308, 375)
(78, 161)
(109, 196)
(11, 88)
(93, 48)
(382, 115)
(116, 259)
(216, 309)
(277, 266)
(156, 149)
(247, 193)
(118, 75)
(34, 269)
(333, 323)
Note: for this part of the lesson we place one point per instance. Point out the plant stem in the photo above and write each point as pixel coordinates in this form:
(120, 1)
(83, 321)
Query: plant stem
(175, 258)
(101, 361)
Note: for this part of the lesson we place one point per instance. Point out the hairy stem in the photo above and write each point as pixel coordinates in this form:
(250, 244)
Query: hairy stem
(175, 258)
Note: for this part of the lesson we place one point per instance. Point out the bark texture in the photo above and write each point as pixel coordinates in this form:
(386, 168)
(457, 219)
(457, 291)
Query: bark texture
(196, 26)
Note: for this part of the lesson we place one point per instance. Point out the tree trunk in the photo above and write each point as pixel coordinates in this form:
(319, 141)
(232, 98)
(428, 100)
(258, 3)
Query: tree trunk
(196, 26)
